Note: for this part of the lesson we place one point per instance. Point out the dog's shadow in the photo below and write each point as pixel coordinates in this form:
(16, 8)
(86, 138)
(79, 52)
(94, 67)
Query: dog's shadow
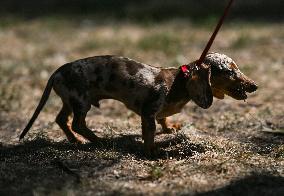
(41, 162)
(176, 146)
(169, 146)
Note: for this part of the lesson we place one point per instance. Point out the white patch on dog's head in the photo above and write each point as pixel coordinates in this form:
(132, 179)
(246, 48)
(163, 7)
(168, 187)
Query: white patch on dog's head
(222, 61)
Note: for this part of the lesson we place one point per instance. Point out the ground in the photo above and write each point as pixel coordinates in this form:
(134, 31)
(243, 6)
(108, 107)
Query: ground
(232, 148)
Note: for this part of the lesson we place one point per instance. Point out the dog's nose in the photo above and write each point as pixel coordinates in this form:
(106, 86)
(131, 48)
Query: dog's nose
(252, 87)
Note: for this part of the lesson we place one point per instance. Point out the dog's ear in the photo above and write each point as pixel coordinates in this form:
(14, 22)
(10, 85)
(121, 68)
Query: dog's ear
(199, 87)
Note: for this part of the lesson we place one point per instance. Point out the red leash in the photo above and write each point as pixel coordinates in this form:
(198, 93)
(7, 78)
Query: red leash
(185, 68)
(206, 49)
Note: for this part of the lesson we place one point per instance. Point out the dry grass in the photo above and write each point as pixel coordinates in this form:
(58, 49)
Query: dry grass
(220, 151)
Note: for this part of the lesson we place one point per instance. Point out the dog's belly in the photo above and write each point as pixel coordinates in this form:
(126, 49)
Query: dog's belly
(135, 99)
(170, 109)
(131, 101)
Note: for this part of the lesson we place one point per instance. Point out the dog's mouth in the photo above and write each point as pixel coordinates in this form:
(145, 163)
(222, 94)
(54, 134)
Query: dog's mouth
(238, 93)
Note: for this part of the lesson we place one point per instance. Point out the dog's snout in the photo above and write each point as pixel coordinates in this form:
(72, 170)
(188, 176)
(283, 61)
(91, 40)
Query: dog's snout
(252, 87)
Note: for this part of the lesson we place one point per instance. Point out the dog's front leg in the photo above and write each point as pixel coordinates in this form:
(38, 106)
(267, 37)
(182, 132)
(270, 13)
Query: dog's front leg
(148, 133)
(168, 128)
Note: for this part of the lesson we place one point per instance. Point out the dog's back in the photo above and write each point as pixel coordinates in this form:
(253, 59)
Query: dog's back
(102, 77)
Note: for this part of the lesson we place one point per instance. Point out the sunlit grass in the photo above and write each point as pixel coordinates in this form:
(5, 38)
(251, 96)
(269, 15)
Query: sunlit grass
(162, 41)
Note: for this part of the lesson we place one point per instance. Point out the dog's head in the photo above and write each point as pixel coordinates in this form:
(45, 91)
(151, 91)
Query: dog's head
(227, 79)
(198, 84)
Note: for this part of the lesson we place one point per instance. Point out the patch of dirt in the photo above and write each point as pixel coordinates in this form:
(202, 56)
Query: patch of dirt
(228, 149)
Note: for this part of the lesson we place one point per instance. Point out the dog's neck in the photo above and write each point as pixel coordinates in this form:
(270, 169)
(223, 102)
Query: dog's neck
(177, 95)
(175, 80)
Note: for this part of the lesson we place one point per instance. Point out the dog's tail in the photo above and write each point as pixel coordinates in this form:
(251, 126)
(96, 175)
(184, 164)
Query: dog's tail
(42, 102)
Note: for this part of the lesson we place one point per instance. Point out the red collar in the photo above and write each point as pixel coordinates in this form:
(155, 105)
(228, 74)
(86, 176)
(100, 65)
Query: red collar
(185, 71)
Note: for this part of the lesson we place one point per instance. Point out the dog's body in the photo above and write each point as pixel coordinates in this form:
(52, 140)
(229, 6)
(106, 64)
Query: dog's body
(151, 92)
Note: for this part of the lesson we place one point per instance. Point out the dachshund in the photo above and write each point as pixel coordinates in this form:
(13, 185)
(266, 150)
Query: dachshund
(154, 93)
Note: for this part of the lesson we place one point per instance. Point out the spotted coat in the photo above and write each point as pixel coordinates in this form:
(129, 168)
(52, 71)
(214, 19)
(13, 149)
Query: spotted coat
(152, 92)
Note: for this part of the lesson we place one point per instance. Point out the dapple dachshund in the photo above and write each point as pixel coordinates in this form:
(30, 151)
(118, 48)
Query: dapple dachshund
(151, 92)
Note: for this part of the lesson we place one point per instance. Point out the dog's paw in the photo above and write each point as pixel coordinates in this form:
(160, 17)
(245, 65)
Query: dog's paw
(173, 128)
(77, 139)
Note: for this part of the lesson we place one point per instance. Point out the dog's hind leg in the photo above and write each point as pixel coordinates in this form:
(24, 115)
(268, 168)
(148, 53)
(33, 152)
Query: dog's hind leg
(62, 120)
(80, 109)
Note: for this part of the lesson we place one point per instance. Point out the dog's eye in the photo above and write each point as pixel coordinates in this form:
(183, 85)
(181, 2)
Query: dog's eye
(228, 72)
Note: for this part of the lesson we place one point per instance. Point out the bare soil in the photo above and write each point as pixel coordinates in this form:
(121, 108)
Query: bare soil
(232, 148)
